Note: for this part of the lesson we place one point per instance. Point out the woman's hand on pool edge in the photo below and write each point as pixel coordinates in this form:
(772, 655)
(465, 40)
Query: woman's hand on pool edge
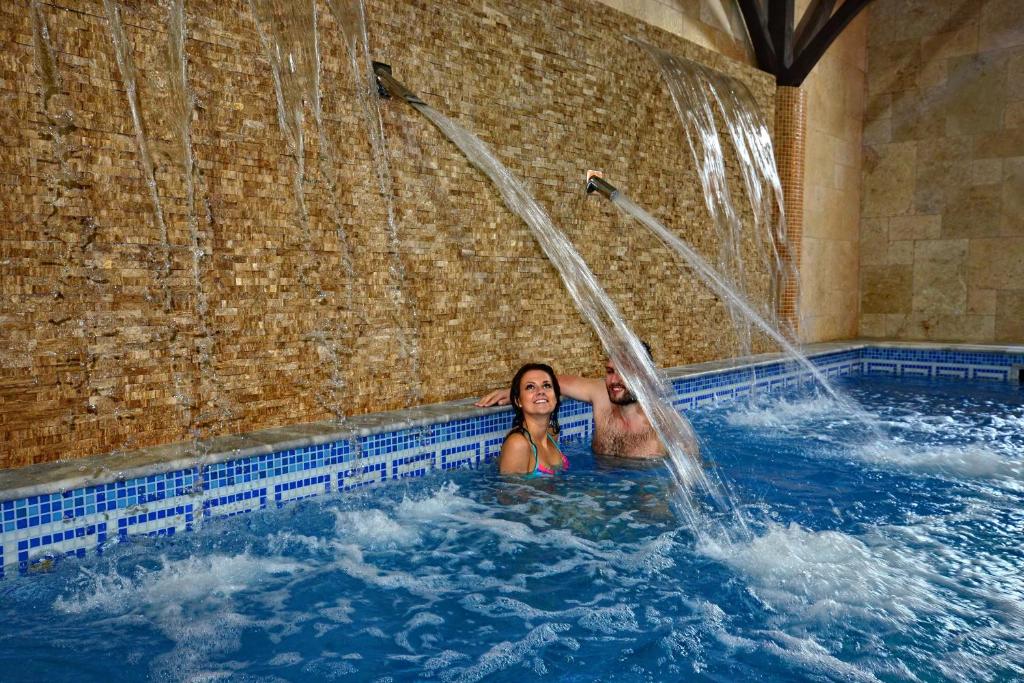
(498, 397)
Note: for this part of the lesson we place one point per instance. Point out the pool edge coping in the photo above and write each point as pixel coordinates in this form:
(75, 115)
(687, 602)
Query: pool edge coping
(106, 468)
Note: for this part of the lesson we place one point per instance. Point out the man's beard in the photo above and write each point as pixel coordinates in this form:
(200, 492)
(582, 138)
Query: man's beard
(627, 398)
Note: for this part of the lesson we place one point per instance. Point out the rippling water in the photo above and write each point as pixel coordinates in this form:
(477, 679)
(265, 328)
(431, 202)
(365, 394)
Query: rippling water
(885, 561)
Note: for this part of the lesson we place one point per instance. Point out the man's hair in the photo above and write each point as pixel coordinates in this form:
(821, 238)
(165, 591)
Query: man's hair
(647, 348)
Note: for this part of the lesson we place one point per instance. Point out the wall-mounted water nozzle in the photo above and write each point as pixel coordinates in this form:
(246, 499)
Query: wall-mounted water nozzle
(388, 86)
(595, 183)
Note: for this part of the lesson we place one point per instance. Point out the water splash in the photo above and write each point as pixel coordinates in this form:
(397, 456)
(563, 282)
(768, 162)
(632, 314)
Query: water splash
(622, 345)
(753, 145)
(182, 397)
(339, 357)
(290, 38)
(63, 187)
(727, 293)
(126, 66)
(351, 16)
(842, 580)
(46, 62)
(697, 94)
(183, 104)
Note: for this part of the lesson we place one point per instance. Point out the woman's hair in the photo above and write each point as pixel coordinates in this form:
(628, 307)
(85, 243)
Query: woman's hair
(513, 396)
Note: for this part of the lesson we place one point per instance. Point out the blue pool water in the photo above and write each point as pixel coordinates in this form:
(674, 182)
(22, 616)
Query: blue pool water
(898, 560)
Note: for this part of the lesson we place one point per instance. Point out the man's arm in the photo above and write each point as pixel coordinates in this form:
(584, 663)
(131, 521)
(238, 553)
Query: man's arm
(586, 389)
(580, 388)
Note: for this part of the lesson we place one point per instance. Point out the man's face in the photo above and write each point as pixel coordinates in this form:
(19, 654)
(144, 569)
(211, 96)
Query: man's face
(617, 391)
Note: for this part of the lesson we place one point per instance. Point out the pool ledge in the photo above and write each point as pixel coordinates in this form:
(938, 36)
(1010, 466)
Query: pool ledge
(120, 466)
(106, 468)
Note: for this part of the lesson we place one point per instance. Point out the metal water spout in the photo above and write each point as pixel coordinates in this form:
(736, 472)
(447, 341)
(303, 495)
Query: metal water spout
(387, 86)
(595, 183)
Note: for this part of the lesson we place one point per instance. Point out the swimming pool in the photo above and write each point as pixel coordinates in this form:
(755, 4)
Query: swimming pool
(893, 561)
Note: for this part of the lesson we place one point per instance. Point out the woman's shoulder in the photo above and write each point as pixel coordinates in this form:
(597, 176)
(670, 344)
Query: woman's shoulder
(516, 454)
(516, 438)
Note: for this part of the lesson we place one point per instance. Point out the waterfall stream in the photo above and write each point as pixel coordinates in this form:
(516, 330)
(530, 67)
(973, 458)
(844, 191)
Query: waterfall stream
(621, 344)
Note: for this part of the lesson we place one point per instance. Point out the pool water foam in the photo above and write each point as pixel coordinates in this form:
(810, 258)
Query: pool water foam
(904, 566)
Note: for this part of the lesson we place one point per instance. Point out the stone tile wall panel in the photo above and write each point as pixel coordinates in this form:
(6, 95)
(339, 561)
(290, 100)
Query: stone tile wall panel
(317, 311)
(942, 128)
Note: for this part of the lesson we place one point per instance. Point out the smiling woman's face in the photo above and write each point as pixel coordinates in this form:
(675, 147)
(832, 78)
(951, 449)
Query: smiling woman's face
(537, 393)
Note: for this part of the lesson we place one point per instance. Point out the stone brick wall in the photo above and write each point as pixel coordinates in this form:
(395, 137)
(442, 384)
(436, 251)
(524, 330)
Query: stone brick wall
(714, 24)
(245, 294)
(942, 234)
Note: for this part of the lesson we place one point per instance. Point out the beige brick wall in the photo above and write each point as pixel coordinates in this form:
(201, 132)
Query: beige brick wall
(832, 189)
(104, 342)
(942, 248)
(714, 24)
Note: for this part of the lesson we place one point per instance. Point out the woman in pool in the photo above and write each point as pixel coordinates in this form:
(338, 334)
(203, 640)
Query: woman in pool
(531, 447)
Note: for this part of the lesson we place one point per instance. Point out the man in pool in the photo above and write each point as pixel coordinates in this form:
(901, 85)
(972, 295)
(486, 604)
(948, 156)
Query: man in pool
(620, 426)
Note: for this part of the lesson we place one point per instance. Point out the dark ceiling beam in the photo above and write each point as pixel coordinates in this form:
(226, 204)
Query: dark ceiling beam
(757, 27)
(780, 29)
(816, 46)
(815, 16)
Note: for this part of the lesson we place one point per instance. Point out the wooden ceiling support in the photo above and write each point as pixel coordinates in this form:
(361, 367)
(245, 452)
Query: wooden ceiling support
(790, 54)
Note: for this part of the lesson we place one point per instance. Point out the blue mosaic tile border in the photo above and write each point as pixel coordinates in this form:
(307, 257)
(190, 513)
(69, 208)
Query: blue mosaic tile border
(36, 529)
(940, 363)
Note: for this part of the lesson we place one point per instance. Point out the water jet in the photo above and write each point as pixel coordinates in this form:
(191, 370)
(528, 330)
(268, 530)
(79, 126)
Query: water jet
(387, 85)
(596, 183)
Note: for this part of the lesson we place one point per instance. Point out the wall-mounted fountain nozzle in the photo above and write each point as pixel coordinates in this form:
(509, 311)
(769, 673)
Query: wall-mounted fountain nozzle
(388, 86)
(595, 183)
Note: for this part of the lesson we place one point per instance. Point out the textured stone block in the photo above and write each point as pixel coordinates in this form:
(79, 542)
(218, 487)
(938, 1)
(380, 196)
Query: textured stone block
(975, 94)
(901, 252)
(889, 179)
(896, 325)
(998, 145)
(962, 40)
(900, 20)
(996, 263)
(1013, 116)
(939, 282)
(872, 325)
(1015, 76)
(919, 114)
(979, 328)
(878, 132)
(973, 211)
(987, 172)
(886, 289)
(981, 302)
(874, 241)
(915, 227)
(893, 67)
(938, 180)
(1009, 317)
(1000, 25)
(1013, 198)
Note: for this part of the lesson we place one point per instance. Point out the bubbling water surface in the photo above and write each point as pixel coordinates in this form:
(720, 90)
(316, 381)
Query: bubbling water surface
(859, 568)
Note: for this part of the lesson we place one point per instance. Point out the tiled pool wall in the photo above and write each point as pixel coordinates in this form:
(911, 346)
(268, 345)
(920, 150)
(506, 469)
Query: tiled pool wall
(37, 528)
